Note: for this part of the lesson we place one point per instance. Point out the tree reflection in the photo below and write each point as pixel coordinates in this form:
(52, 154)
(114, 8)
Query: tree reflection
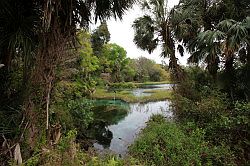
(100, 132)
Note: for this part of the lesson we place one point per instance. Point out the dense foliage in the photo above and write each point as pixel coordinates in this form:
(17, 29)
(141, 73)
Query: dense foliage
(165, 143)
(224, 122)
(116, 67)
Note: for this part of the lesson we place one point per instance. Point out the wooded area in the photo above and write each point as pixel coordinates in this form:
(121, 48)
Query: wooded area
(53, 70)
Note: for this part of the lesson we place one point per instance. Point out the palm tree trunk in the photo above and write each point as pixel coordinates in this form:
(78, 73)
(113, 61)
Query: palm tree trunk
(229, 75)
(7, 56)
(229, 64)
(248, 55)
(247, 93)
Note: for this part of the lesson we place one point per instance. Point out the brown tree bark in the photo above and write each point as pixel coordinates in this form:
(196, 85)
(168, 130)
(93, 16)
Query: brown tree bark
(52, 47)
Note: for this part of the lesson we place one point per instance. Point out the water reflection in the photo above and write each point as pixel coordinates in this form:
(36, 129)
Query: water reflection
(141, 91)
(110, 111)
(125, 131)
(100, 132)
(120, 122)
(106, 113)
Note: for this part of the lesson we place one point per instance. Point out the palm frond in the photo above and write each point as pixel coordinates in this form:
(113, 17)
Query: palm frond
(180, 49)
(195, 57)
(110, 8)
(144, 33)
(246, 22)
(209, 37)
(238, 33)
(225, 25)
(18, 28)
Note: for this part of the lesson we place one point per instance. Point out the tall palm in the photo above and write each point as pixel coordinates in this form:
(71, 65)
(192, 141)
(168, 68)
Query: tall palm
(154, 28)
(236, 39)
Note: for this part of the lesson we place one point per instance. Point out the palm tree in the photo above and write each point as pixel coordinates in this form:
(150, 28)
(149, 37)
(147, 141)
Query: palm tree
(154, 28)
(207, 48)
(236, 36)
(198, 25)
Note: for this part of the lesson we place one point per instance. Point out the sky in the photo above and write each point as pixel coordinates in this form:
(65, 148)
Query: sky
(122, 34)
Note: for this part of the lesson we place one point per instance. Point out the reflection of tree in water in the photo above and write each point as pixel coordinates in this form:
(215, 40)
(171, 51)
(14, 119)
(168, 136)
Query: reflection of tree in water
(100, 132)
(106, 112)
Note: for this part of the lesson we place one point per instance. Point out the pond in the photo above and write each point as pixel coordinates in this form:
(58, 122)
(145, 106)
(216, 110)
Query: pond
(121, 121)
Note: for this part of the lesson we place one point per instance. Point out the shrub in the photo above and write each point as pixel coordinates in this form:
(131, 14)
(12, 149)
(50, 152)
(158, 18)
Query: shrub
(203, 111)
(65, 153)
(122, 85)
(224, 122)
(68, 153)
(73, 114)
(165, 143)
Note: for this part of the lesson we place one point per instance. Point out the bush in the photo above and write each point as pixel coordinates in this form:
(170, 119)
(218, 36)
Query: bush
(73, 114)
(233, 129)
(68, 153)
(224, 122)
(80, 110)
(65, 153)
(122, 85)
(203, 111)
(165, 143)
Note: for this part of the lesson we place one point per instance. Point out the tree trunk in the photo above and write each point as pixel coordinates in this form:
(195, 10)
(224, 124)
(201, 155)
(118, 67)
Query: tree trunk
(247, 92)
(229, 75)
(229, 64)
(51, 48)
(169, 49)
(7, 57)
(248, 55)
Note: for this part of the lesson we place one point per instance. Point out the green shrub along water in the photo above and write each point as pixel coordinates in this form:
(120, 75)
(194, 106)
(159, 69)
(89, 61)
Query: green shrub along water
(201, 101)
(166, 143)
(68, 153)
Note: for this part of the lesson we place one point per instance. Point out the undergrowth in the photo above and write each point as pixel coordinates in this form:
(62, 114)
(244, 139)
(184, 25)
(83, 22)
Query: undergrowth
(166, 143)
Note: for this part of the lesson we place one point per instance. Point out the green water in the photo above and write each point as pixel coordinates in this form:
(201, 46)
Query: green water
(110, 111)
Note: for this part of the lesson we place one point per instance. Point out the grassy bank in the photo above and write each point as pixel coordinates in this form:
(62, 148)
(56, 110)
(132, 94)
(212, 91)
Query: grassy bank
(126, 95)
(132, 85)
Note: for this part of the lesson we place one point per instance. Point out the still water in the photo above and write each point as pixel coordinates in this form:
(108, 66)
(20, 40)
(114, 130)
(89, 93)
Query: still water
(143, 91)
(123, 121)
